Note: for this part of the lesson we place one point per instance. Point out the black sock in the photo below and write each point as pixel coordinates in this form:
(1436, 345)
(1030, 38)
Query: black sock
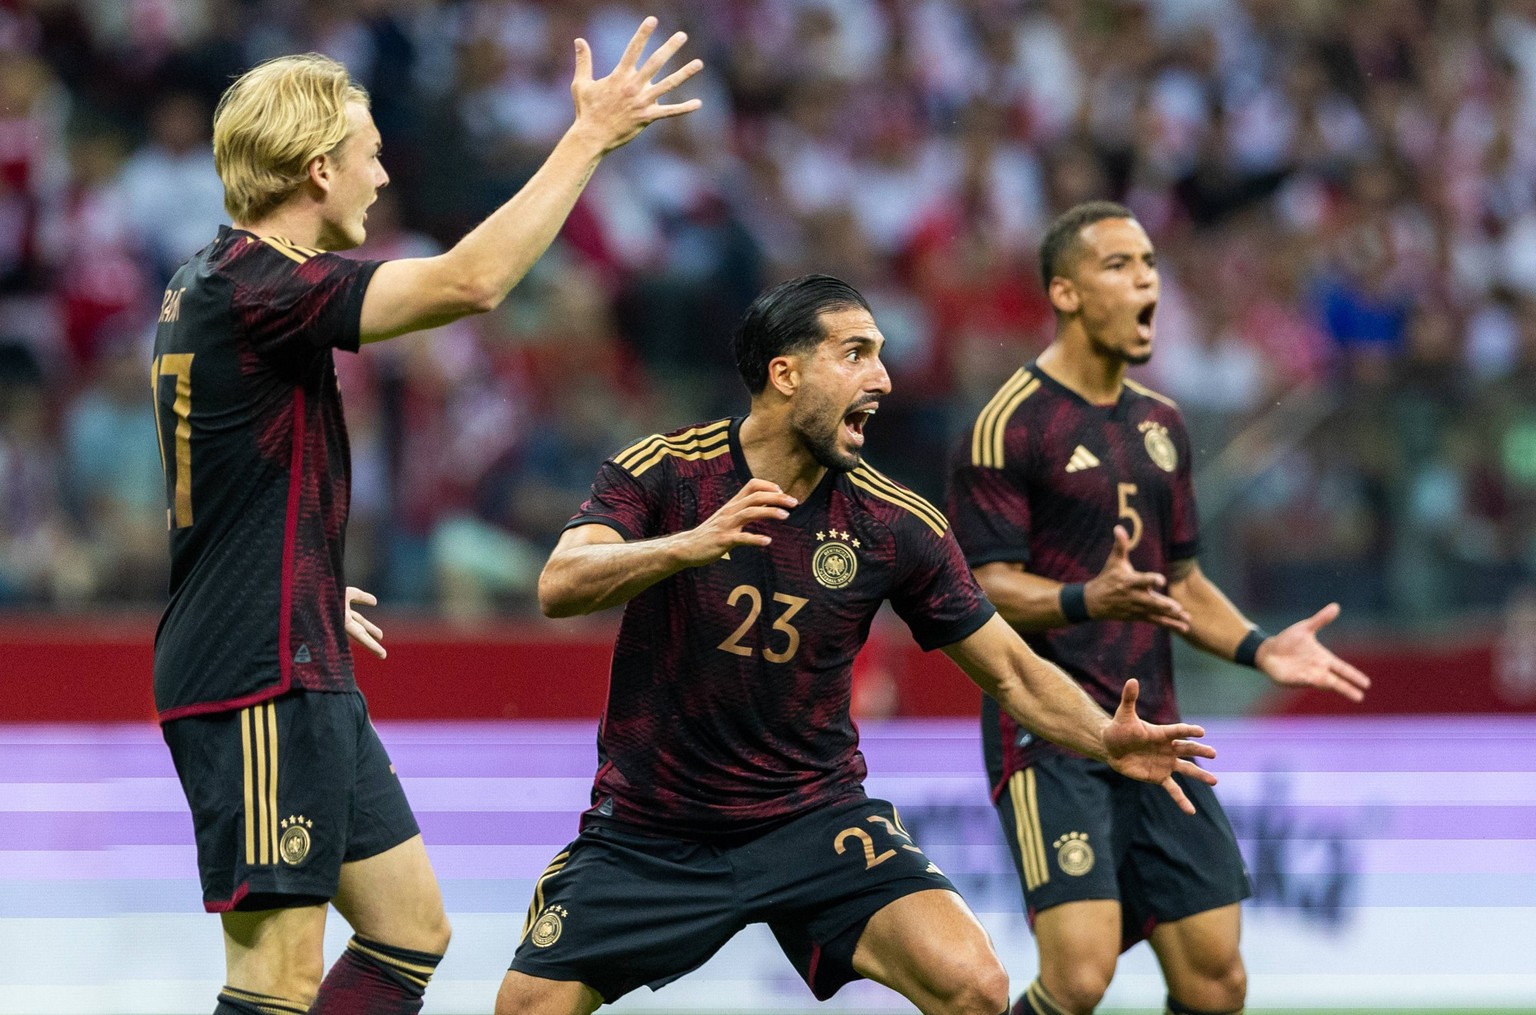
(1174, 1008)
(372, 978)
(233, 1001)
(1036, 1000)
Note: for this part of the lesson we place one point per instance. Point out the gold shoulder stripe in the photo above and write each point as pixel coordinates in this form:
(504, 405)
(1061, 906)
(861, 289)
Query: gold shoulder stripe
(642, 448)
(868, 479)
(283, 248)
(982, 427)
(696, 455)
(308, 251)
(907, 498)
(1142, 389)
(987, 436)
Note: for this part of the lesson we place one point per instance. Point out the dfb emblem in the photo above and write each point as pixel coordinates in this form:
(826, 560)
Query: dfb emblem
(834, 564)
(293, 845)
(547, 928)
(1073, 854)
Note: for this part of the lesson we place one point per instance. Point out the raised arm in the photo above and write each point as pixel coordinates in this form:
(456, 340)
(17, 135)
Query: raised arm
(1292, 658)
(476, 274)
(593, 568)
(1047, 702)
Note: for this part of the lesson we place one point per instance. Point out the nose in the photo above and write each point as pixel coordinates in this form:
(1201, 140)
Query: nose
(382, 179)
(880, 383)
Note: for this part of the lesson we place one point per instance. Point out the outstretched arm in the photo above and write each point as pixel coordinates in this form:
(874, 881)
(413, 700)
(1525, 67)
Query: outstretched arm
(593, 568)
(1292, 658)
(1047, 702)
(476, 274)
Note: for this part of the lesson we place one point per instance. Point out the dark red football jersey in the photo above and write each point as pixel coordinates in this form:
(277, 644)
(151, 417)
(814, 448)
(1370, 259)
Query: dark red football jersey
(1042, 479)
(728, 700)
(257, 471)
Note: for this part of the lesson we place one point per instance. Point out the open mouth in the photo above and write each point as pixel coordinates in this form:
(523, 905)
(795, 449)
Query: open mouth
(1144, 320)
(854, 423)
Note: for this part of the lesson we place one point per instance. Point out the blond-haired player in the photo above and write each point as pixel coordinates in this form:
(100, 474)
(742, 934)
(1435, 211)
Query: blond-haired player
(295, 804)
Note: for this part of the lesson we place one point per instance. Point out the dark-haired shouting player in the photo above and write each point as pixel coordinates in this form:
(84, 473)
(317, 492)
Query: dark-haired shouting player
(751, 555)
(1072, 498)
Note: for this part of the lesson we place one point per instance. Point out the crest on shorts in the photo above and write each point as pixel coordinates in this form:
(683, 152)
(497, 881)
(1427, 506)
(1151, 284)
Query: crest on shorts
(1073, 854)
(547, 928)
(834, 563)
(293, 844)
(1160, 446)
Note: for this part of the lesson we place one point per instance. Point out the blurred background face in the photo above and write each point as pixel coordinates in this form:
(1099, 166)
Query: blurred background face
(1115, 278)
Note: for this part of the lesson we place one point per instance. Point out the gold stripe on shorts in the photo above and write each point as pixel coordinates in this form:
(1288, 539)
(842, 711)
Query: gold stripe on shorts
(258, 749)
(1026, 825)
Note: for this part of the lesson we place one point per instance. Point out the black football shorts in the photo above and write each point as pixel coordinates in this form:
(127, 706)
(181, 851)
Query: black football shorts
(1080, 830)
(616, 910)
(283, 793)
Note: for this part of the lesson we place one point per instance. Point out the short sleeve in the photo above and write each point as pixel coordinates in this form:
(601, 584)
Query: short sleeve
(619, 501)
(293, 307)
(989, 514)
(1184, 532)
(935, 593)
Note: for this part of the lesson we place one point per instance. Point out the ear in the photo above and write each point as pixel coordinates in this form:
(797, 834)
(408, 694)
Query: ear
(319, 173)
(784, 375)
(1064, 295)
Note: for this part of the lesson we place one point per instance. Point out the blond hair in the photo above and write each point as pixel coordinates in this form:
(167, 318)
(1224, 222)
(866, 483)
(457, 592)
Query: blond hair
(272, 122)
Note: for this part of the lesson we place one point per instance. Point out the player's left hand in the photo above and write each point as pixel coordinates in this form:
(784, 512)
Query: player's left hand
(1150, 753)
(360, 628)
(1295, 658)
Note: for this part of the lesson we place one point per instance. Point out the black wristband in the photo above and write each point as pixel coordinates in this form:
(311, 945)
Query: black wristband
(1247, 653)
(1074, 603)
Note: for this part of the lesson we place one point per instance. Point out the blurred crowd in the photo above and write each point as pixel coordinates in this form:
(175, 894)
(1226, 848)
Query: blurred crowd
(1343, 194)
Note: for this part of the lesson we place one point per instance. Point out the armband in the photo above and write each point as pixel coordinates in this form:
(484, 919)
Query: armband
(1074, 602)
(1247, 653)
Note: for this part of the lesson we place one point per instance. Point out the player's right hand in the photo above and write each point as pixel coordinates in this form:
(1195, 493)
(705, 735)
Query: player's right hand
(757, 501)
(1120, 592)
(615, 109)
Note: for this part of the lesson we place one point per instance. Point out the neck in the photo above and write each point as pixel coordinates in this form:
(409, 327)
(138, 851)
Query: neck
(774, 453)
(1072, 361)
(287, 222)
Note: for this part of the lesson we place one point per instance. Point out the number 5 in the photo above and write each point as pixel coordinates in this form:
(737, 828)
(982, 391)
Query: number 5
(1127, 491)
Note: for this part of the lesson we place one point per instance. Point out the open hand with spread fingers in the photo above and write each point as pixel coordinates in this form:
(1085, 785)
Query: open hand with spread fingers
(616, 108)
(1150, 753)
(360, 628)
(1295, 658)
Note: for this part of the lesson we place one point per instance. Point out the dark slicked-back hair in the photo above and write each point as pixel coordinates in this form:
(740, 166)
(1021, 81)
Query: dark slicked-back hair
(785, 320)
(1061, 238)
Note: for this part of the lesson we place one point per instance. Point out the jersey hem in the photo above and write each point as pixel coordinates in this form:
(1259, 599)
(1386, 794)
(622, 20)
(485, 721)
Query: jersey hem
(226, 704)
